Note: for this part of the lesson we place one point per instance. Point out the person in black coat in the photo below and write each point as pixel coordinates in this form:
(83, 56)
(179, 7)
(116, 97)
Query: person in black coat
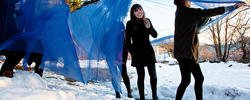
(125, 74)
(138, 30)
(125, 77)
(186, 44)
(15, 52)
(8, 29)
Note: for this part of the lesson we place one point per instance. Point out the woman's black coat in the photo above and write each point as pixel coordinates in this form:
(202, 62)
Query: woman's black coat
(186, 41)
(138, 43)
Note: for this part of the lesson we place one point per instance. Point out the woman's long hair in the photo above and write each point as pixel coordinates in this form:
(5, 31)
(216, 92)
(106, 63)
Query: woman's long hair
(179, 2)
(134, 8)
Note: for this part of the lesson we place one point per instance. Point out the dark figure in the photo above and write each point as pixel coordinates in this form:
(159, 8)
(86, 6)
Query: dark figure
(8, 29)
(124, 71)
(125, 74)
(37, 59)
(138, 30)
(15, 52)
(186, 43)
(12, 59)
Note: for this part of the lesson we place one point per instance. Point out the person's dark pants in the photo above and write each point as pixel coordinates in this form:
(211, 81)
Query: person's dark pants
(125, 75)
(37, 58)
(188, 66)
(126, 79)
(12, 59)
(153, 80)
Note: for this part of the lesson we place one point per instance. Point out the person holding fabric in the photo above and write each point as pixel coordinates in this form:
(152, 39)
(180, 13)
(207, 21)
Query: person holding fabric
(8, 29)
(138, 30)
(14, 57)
(14, 52)
(186, 43)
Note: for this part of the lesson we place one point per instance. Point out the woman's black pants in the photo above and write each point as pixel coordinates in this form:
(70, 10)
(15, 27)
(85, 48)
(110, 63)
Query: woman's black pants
(153, 80)
(188, 66)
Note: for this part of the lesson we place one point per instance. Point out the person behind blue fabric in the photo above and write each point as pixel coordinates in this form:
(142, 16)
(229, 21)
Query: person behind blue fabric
(138, 30)
(14, 52)
(8, 29)
(186, 43)
(14, 57)
(124, 73)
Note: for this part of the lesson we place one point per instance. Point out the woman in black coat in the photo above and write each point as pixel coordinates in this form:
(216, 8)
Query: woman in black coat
(138, 30)
(186, 43)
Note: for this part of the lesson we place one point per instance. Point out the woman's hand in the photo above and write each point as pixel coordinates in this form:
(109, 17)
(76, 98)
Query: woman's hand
(147, 23)
(237, 5)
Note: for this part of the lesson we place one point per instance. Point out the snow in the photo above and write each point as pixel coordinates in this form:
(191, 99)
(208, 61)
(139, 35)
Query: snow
(223, 81)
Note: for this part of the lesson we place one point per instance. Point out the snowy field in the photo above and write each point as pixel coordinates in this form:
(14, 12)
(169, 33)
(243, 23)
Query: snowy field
(223, 81)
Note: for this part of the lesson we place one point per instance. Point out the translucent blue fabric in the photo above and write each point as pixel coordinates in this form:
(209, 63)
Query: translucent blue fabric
(42, 27)
(98, 31)
(162, 39)
(95, 32)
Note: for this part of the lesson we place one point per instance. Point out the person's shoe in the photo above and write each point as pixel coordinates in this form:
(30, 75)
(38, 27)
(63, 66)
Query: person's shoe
(130, 93)
(142, 98)
(155, 98)
(7, 73)
(117, 94)
(39, 72)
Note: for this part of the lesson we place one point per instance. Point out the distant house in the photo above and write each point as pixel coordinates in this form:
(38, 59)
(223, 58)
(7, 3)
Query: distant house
(163, 44)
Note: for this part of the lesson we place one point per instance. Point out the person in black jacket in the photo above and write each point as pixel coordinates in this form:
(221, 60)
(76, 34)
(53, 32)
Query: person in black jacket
(138, 30)
(15, 52)
(125, 74)
(124, 69)
(186, 43)
(8, 29)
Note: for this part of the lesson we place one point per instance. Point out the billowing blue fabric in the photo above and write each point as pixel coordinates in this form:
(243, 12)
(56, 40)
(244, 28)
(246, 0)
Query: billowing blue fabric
(43, 28)
(98, 30)
(162, 39)
(9, 24)
(46, 26)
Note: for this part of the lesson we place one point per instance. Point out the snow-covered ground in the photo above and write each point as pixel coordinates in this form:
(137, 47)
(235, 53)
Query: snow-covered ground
(223, 81)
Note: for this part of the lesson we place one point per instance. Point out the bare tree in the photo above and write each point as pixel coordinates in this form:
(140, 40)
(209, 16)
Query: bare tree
(224, 32)
(222, 36)
(243, 27)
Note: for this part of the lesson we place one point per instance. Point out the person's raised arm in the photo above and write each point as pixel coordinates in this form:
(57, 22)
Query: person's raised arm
(150, 28)
(215, 11)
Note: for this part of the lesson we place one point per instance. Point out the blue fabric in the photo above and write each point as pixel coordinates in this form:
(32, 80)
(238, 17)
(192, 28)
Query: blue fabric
(46, 26)
(98, 30)
(162, 39)
(42, 25)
